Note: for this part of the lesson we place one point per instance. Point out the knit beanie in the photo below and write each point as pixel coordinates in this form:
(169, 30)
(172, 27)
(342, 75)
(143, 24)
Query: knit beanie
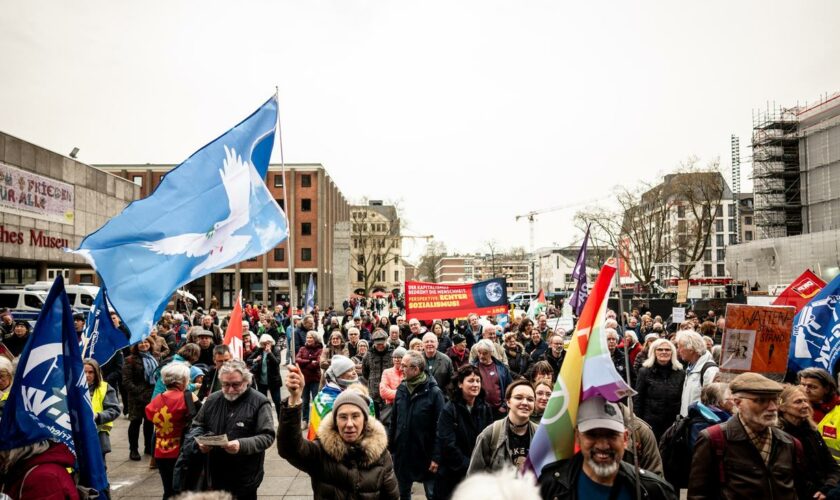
(340, 365)
(352, 398)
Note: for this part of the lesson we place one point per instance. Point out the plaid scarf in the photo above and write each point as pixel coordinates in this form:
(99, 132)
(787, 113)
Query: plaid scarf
(763, 442)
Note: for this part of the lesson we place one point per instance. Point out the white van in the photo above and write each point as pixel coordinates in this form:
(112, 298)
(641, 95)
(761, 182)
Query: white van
(80, 296)
(22, 300)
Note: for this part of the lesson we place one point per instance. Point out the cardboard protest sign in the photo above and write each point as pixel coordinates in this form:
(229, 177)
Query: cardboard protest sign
(756, 339)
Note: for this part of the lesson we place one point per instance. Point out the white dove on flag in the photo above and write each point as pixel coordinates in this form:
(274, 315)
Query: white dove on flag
(219, 242)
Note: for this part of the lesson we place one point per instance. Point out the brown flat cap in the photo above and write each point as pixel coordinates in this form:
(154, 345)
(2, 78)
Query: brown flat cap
(755, 384)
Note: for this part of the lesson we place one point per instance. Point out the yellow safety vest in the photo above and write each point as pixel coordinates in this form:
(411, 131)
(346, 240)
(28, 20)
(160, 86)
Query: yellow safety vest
(829, 428)
(97, 400)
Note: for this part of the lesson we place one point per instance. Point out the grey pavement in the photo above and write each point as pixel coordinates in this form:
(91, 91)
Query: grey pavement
(135, 480)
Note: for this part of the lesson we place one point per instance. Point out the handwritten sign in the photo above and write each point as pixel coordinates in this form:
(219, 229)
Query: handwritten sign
(32, 195)
(756, 338)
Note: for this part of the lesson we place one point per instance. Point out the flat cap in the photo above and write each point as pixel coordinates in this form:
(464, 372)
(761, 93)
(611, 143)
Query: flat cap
(380, 335)
(754, 383)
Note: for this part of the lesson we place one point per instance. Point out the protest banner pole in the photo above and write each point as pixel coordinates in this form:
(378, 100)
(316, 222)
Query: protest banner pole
(627, 375)
(290, 254)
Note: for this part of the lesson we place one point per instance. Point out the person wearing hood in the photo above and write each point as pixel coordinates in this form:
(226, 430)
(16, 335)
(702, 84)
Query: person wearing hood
(413, 430)
(495, 377)
(350, 456)
(308, 360)
(340, 375)
(38, 470)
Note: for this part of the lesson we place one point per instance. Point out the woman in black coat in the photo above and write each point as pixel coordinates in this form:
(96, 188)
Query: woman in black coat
(659, 386)
(139, 381)
(461, 421)
(265, 366)
(518, 359)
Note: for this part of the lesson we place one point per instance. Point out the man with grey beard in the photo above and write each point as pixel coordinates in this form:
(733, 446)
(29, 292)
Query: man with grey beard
(748, 456)
(245, 416)
(597, 471)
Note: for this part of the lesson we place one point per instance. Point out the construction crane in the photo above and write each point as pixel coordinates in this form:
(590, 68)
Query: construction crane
(532, 216)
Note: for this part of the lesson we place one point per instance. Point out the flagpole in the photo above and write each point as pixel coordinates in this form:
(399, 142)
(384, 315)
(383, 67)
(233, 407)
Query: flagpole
(290, 254)
(627, 376)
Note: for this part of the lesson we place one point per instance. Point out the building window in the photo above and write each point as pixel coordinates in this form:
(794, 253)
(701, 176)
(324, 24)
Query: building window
(719, 211)
(707, 270)
(360, 276)
(733, 239)
(305, 205)
(278, 180)
(306, 254)
(306, 228)
(730, 208)
(707, 255)
(396, 275)
(721, 254)
(137, 179)
(720, 270)
(680, 211)
(360, 260)
(748, 235)
(305, 180)
(719, 226)
(719, 240)
(731, 225)
(282, 204)
(748, 220)
(279, 254)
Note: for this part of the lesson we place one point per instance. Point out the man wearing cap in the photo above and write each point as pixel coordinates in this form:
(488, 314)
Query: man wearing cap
(748, 456)
(205, 343)
(376, 361)
(350, 458)
(597, 470)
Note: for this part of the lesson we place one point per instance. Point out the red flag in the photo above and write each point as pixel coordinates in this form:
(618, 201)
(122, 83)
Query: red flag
(233, 335)
(801, 291)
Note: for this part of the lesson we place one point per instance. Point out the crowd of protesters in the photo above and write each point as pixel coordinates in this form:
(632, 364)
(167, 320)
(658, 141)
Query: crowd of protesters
(377, 403)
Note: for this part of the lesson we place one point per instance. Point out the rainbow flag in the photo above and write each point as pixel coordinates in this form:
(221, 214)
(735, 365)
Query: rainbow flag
(555, 437)
(322, 404)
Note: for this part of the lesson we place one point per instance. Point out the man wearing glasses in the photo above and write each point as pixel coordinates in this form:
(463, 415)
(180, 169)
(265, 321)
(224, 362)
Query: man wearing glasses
(748, 456)
(244, 415)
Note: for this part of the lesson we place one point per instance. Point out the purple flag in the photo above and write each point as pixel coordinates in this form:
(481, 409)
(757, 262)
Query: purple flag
(579, 274)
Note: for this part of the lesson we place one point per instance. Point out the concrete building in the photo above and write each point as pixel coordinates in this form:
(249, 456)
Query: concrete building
(515, 267)
(315, 232)
(49, 201)
(796, 171)
(553, 267)
(376, 263)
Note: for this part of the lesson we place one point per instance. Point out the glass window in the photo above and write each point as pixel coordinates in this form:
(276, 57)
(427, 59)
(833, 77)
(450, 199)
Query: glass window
(707, 270)
(279, 254)
(278, 180)
(137, 179)
(719, 240)
(396, 275)
(731, 225)
(719, 211)
(730, 209)
(360, 276)
(32, 300)
(305, 205)
(9, 300)
(71, 297)
(719, 226)
(748, 235)
(282, 204)
(733, 239)
(748, 221)
(680, 211)
(305, 180)
(306, 254)
(721, 254)
(306, 228)
(87, 299)
(707, 255)
(720, 270)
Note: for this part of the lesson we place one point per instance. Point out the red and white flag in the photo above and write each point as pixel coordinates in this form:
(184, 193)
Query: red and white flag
(233, 334)
(801, 291)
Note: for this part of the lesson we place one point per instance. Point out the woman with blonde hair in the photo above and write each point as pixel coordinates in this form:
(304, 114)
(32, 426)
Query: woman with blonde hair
(659, 386)
(822, 473)
(103, 399)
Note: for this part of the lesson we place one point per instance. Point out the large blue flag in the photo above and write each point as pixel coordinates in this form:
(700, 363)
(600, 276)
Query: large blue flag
(211, 211)
(101, 338)
(581, 292)
(309, 300)
(816, 331)
(49, 398)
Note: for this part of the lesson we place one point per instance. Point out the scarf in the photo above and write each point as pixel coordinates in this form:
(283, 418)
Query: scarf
(150, 365)
(416, 381)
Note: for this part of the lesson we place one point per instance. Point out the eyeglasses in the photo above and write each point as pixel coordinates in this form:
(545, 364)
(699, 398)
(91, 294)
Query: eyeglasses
(232, 385)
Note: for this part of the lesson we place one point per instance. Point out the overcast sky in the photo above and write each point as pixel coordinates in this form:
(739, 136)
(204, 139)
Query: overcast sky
(468, 112)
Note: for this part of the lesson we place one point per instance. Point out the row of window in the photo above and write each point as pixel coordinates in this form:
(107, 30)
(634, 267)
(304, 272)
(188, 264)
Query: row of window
(305, 254)
(305, 180)
(381, 228)
(360, 276)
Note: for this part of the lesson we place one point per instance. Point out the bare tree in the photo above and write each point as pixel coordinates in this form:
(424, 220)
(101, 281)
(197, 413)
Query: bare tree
(493, 246)
(428, 262)
(375, 232)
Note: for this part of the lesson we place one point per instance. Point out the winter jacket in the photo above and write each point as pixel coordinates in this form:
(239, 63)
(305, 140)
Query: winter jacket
(822, 473)
(518, 361)
(458, 360)
(492, 452)
(337, 470)
(43, 476)
(647, 448)
(658, 400)
(299, 337)
(391, 380)
(692, 385)
(413, 429)
(255, 361)
(248, 419)
(139, 391)
(556, 363)
(106, 409)
(560, 479)
(308, 359)
(535, 351)
(442, 371)
(504, 377)
(745, 473)
(444, 343)
(618, 358)
(373, 365)
(457, 431)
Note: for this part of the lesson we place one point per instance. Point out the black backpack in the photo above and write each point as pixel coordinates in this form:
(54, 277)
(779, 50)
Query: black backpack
(675, 449)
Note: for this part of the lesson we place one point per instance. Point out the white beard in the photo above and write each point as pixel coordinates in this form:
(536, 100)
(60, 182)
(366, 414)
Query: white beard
(603, 471)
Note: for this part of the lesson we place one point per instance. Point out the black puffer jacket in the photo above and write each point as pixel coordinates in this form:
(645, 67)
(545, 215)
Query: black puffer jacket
(822, 471)
(413, 430)
(659, 395)
(373, 365)
(457, 430)
(337, 470)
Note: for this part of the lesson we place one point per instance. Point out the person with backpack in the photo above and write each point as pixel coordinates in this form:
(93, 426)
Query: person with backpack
(748, 456)
(700, 369)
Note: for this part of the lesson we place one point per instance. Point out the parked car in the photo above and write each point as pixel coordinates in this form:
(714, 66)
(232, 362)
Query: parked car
(81, 296)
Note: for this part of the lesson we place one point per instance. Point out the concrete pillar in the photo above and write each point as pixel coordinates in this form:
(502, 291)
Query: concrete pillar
(265, 279)
(208, 291)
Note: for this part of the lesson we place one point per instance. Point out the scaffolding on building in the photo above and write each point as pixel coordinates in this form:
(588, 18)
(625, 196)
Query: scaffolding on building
(776, 176)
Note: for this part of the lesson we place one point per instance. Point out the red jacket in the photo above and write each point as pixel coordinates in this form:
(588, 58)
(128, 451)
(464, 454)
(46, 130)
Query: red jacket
(168, 411)
(308, 360)
(44, 476)
(822, 409)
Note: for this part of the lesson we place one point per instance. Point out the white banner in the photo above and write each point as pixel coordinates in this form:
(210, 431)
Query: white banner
(32, 195)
